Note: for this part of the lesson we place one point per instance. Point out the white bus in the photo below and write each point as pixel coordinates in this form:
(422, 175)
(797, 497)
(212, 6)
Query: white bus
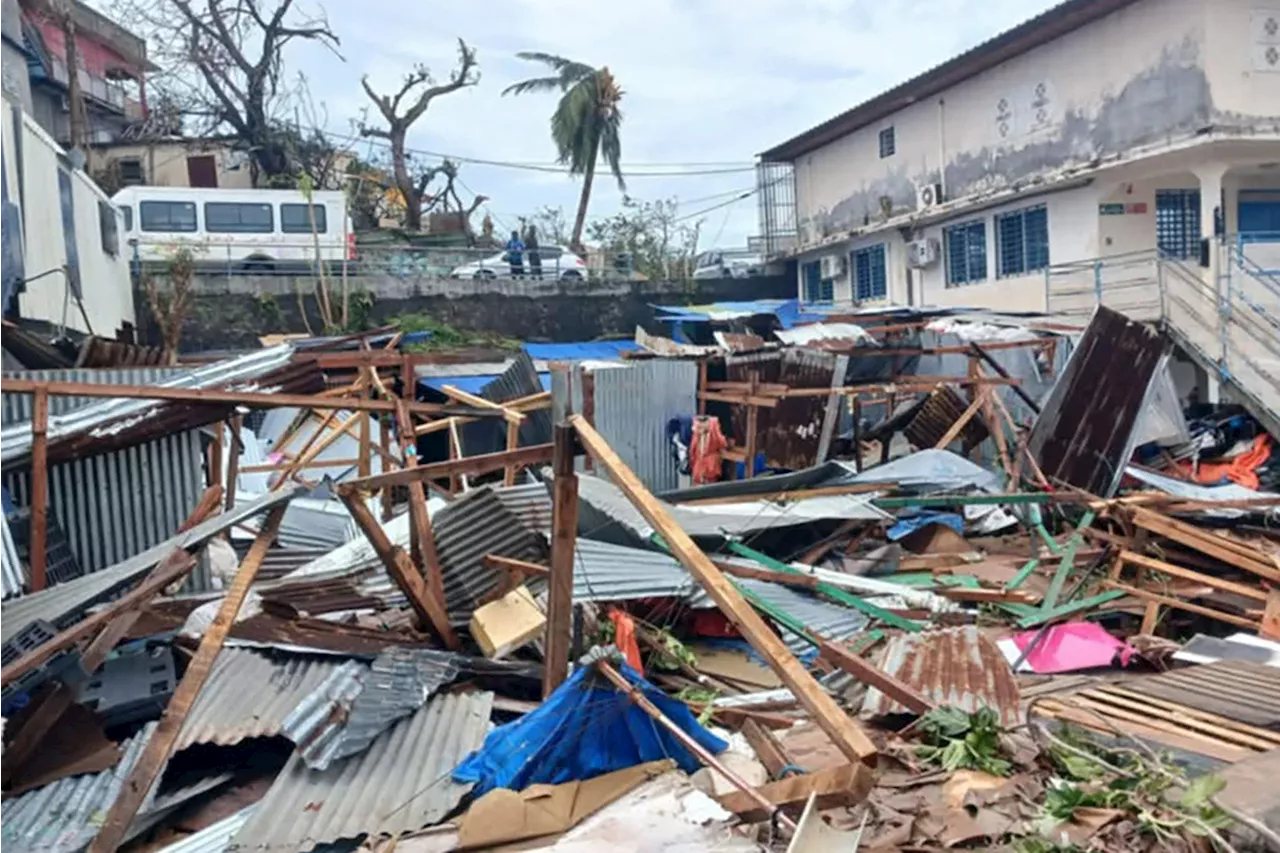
(245, 229)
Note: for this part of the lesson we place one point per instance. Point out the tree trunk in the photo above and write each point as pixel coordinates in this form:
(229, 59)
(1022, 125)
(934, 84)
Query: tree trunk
(404, 183)
(575, 243)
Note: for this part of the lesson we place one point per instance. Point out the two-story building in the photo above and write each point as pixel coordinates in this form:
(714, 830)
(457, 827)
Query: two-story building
(1099, 128)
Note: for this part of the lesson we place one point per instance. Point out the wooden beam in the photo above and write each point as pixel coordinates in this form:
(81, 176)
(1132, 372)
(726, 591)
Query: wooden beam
(1270, 627)
(564, 539)
(156, 753)
(402, 571)
(424, 538)
(953, 432)
(174, 567)
(305, 458)
(846, 785)
(233, 462)
(457, 480)
(801, 580)
(770, 751)
(511, 565)
(513, 444)
(1179, 604)
(981, 353)
(699, 751)
(1240, 589)
(511, 415)
(473, 465)
(214, 458)
(384, 442)
(796, 495)
(848, 737)
(252, 399)
(872, 675)
(1218, 547)
(38, 541)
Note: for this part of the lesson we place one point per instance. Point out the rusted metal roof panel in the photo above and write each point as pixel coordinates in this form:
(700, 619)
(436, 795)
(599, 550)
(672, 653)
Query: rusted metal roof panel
(1244, 691)
(790, 433)
(1084, 435)
(401, 783)
(941, 409)
(249, 694)
(959, 667)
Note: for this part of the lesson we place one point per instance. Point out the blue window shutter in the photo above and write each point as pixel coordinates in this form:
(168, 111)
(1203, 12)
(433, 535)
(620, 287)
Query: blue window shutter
(1036, 225)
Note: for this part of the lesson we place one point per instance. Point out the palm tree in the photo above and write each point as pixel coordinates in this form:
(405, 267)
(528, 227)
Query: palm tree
(585, 123)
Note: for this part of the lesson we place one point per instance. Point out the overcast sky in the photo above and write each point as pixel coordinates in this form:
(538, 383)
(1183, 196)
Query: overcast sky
(705, 81)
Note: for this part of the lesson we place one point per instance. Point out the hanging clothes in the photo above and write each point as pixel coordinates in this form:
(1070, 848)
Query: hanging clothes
(624, 637)
(679, 435)
(705, 447)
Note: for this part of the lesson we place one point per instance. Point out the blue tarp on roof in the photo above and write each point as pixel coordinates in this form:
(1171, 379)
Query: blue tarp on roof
(788, 311)
(584, 729)
(472, 384)
(581, 350)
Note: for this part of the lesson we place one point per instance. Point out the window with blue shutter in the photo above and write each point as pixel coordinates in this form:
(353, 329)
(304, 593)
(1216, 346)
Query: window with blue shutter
(966, 253)
(1022, 241)
(1178, 222)
(869, 278)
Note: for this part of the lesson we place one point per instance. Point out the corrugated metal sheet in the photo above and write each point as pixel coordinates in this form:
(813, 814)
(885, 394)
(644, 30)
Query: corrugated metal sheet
(357, 702)
(789, 434)
(824, 333)
(959, 667)
(605, 572)
(602, 504)
(1244, 691)
(934, 419)
(400, 784)
(632, 408)
(16, 408)
(113, 420)
(63, 605)
(249, 694)
(518, 379)
(215, 838)
(466, 530)
(15, 576)
(822, 617)
(529, 502)
(118, 504)
(1085, 433)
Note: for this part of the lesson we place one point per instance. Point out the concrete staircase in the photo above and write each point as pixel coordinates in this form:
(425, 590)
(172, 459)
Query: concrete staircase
(1232, 330)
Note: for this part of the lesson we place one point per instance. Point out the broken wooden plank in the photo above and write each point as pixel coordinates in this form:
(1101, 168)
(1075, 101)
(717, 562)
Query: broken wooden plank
(564, 538)
(428, 610)
(869, 674)
(511, 415)
(798, 579)
(467, 465)
(1050, 600)
(846, 785)
(1270, 627)
(156, 752)
(38, 550)
(1228, 551)
(514, 566)
(953, 431)
(1241, 589)
(770, 751)
(1179, 604)
(847, 735)
(424, 540)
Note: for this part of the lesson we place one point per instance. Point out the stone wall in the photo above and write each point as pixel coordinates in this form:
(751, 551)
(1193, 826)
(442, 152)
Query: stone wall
(231, 312)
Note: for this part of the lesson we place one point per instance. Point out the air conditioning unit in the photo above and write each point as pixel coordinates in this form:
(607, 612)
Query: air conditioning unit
(928, 195)
(922, 253)
(832, 266)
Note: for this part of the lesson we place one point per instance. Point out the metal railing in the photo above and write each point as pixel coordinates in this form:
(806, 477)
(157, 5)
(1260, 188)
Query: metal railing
(1232, 328)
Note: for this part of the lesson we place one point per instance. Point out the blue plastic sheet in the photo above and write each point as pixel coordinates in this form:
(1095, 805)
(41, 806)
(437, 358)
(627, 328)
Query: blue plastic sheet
(581, 350)
(585, 728)
(911, 523)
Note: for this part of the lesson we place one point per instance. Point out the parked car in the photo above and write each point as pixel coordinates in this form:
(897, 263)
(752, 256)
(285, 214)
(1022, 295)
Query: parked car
(728, 264)
(557, 262)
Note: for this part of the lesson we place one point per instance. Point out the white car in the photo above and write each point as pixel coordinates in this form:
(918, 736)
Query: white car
(728, 264)
(557, 262)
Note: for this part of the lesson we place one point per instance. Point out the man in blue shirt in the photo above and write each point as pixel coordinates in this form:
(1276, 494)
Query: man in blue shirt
(515, 255)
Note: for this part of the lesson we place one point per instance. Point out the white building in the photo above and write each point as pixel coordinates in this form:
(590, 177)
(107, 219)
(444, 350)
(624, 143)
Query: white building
(1042, 168)
(70, 268)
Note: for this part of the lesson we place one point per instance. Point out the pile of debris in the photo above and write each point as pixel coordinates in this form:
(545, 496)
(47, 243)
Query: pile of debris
(741, 596)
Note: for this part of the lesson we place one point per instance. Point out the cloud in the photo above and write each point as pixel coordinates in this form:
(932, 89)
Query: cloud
(704, 80)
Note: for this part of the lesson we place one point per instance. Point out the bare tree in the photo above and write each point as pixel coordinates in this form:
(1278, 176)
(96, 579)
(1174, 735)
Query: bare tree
(402, 109)
(224, 63)
(171, 303)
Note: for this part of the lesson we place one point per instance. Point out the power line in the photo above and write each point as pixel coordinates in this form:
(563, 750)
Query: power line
(733, 200)
(628, 171)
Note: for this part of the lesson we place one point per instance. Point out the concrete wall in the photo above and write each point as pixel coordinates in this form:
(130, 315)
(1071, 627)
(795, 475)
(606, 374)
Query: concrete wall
(233, 311)
(164, 164)
(1151, 74)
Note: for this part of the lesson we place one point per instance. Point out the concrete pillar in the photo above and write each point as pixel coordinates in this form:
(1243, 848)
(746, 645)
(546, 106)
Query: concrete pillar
(1211, 177)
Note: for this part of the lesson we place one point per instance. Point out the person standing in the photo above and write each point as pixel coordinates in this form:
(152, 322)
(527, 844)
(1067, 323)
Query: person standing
(515, 255)
(535, 259)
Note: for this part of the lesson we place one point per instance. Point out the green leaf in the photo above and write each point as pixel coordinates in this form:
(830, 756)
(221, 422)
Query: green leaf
(1201, 789)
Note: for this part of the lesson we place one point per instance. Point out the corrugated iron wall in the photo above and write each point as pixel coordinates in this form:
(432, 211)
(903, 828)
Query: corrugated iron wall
(118, 504)
(630, 406)
(790, 433)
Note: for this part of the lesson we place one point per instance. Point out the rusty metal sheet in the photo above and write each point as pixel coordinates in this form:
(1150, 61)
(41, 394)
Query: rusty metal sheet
(790, 433)
(959, 667)
(1084, 435)
(940, 411)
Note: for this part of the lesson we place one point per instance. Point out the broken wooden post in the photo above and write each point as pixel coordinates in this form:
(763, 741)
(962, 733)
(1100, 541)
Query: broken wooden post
(38, 541)
(214, 457)
(156, 753)
(564, 525)
(384, 439)
(233, 463)
(422, 536)
(402, 570)
(847, 735)
(636, 695)
(846, 785)
(873, 676)
(753, 428)
(953, 432)
(513, 443)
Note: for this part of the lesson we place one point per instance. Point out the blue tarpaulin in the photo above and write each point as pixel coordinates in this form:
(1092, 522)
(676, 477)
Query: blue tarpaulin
(788, 311)
(472, 384)
(585, 728)
(581, 350)
(910, 524)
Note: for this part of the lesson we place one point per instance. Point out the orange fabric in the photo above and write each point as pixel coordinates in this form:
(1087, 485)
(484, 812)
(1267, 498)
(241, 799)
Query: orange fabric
(624, 637)
(1242, 469)
(705, 445)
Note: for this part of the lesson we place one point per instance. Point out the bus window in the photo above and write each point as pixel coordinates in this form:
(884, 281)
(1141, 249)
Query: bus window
(127, 210)
(167, 216)
(221, 217)
(294, 218)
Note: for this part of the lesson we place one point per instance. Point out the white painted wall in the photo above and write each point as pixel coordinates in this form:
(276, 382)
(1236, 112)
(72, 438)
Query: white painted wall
(106, 286)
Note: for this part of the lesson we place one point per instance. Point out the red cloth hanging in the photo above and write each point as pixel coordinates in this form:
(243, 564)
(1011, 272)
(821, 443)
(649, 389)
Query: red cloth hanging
(704, 450)
(624, 637)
